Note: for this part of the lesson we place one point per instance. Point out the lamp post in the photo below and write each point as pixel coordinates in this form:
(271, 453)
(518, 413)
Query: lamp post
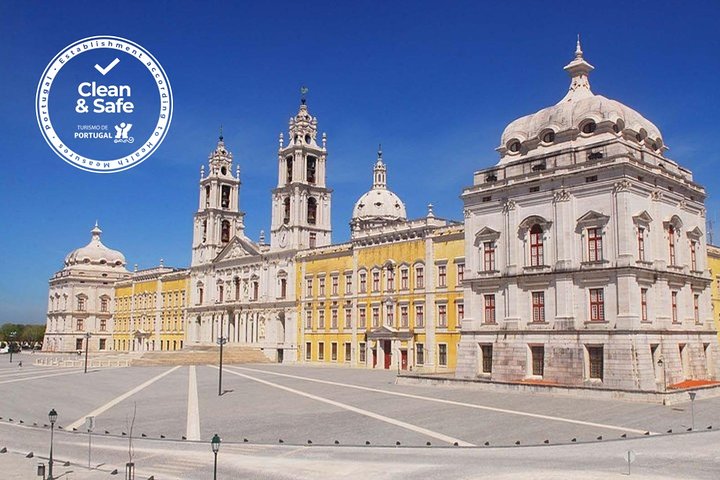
(692, 407)
(87, 343)
(661, 363)
(215, 443)
(52, 416)
(10, 343)
(221, 341)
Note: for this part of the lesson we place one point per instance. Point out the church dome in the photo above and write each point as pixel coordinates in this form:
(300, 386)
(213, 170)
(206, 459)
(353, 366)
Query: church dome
(580, 113)
(378, 206)
(95, 253)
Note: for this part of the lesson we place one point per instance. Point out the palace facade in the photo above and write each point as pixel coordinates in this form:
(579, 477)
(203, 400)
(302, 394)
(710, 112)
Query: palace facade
(585, 245)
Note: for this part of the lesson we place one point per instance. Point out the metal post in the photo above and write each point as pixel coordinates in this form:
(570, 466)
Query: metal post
(87, 343)
(215, 468)
(221, 341)
(10, 344)
(692, 407)
(50, 461)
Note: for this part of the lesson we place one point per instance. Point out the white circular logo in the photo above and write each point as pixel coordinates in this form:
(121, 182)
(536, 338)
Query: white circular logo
(104, 104)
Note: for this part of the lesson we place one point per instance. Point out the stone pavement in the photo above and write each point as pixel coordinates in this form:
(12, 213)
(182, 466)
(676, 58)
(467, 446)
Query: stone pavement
(16, 466)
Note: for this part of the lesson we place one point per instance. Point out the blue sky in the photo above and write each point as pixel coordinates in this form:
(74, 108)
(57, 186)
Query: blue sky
(434, 82)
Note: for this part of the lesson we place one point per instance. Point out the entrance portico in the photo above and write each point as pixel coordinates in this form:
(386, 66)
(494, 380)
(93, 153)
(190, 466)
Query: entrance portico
(389, 348)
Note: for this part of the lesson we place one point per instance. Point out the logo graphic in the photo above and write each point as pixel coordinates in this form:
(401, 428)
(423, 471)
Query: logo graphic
(121, 134)
(93, 93)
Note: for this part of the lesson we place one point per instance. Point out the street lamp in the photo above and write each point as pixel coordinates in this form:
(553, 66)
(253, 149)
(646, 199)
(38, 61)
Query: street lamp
(52, 416)
(215, 443)
(661, 363)
(692, 407)
(87, 343)
(10, 343)
(221, 341)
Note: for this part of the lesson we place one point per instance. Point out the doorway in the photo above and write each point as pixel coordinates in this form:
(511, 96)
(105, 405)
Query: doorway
(388, 354)
(403, 359)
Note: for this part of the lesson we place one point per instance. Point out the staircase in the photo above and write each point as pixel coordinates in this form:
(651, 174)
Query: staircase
(203, 355)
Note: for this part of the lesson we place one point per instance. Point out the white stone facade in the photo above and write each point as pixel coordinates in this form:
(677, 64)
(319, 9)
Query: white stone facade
(586, 254)
(81, 299)
(243, 288)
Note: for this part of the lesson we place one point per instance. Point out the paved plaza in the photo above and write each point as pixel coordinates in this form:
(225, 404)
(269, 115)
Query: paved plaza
(358, 422)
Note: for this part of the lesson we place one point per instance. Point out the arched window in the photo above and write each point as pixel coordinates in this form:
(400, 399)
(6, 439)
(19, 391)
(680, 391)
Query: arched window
(671, 243)
(225, 200)
(204, 237)
(289, 166)
(286, 210)
(207, 196)
(312, 211)
(536, 245)
(311, 169)
(225, 234)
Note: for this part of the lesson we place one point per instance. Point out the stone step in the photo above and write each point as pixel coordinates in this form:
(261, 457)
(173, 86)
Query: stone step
(202, 356)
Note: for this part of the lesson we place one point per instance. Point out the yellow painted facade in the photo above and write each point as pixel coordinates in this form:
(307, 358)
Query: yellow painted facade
(390, 299)
(150, 310)
(713, 256)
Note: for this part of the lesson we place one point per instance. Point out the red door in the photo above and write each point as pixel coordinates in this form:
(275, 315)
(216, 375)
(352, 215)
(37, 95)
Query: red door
(374, 354)
(388, 354)
(403, 359)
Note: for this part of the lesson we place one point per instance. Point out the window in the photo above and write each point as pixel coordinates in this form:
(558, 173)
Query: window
(489, 256)
(225, 200)
(442, 316)
(673, 306)
(404, 274)
(207, 196)
(102, 344)
(514, 146)
(335, 281)
(308, 287)
(321, 319)
(321, 287)
(256, 290)
(348, 283)
(103, 325)
(548, 137)
(442, 355)
(489, 308)
(594, 245)
(289, 169)
(80, 325)
(671, 244)
(286, 210)
(589, 127)
(363, 318)
(313, 239)
(643, 305)
(363, 282)
(696, 308)
(333, 351)
(419, 277)
(321, 350)
(283, 287)
(460, 273)
(460, 312)
(419, 316)
(312, 211)
(537, 354)
(81, 304)
(487, 353)
(361, 352)
(419, 353)
(376, 317)
(200, 295)
(376, 281)
(225, 235)
(536, 245)
(693, 255)
(204, 236)
(404, 322)
(311, 167)
(538, 307)
(348, 351)
(595, 361)
(78, 344)
(334, 319)
(348, 318)
(442, 276)
(597, 305)
(104, 304)
(236, 282)
(641, 244)
(390, 319)
(221, 290)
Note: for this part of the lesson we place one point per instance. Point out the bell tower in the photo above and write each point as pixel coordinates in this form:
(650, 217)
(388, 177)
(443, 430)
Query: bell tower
(218, 218)
(301, 201)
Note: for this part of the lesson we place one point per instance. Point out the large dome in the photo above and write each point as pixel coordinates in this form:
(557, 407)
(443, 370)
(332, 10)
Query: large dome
(379, 206)
(95, 253)
(580, 112)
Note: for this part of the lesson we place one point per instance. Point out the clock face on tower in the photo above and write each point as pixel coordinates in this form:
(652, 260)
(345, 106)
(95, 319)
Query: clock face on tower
(282, 239)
